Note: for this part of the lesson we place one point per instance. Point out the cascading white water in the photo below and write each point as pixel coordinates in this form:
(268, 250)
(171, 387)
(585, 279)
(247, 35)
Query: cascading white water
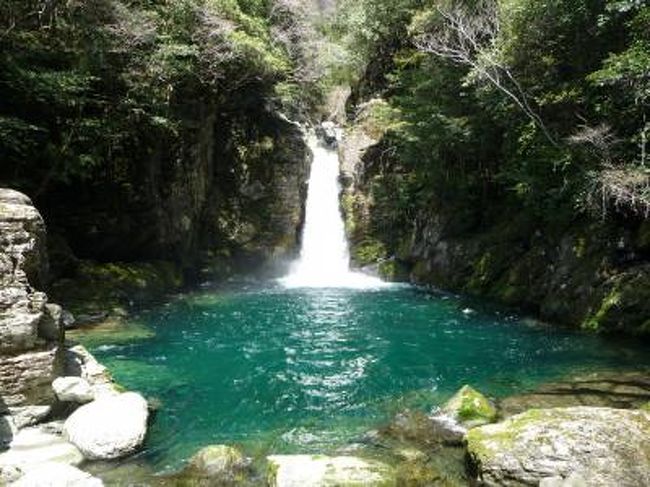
(324, 257)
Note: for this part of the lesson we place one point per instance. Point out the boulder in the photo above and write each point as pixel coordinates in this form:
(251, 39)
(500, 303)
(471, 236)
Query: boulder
(328, 131)
(112, 426)
(51, 325)
(29, 415)
(23, 267)
(602, 446)
(79, 362)
(73, 389)
(417, 427)
(323, 471)
(470, 408)
(35, 446)
(30, 329)
(219, 464)
(56, 475)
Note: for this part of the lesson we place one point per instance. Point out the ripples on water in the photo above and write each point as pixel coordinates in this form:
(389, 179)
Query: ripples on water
(309, 370)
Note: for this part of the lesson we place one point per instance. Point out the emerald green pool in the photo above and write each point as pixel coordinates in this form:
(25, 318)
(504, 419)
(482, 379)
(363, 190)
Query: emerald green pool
(277, 370)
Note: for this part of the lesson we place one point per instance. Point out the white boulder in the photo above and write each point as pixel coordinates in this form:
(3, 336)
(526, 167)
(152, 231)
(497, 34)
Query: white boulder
(56, 475)
(35, 446)
(73, 389)
(323, 471)
(111, 426)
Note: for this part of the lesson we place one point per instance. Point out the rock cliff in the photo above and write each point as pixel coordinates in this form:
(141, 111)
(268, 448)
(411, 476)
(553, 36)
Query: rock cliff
(30, 328)
(225, 195)
(585, 272)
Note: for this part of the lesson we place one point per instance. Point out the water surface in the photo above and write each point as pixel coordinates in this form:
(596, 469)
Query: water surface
(277, 370)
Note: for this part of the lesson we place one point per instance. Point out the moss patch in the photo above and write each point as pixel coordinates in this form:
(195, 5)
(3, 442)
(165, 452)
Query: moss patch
(470, 407)
(595, 322)
(99, 287)
(368, 252)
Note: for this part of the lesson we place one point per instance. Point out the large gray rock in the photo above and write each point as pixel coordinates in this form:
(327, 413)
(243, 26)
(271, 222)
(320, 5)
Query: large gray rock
(602, 446)
(30, 329)
(56, 475)
(112, 426)
(73, 389)
(323, 471)
(23, 267)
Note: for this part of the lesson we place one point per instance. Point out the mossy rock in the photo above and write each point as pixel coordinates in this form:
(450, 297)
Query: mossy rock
(215, 465)
(605, 446)
(105, 286)
(470, 408)
(645, 407)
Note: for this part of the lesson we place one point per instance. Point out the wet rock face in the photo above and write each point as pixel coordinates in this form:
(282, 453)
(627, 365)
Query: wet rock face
(30, 329)
(231, 192)
(601, 445)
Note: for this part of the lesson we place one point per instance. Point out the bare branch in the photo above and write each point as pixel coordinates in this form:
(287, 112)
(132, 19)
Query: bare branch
(465, 35)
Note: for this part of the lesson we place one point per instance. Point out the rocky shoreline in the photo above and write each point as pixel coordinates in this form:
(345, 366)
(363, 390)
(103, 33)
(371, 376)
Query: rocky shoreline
(61, 411)
(60, 407)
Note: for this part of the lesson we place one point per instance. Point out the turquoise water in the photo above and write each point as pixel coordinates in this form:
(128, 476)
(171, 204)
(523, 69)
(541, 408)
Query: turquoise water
(277, 370)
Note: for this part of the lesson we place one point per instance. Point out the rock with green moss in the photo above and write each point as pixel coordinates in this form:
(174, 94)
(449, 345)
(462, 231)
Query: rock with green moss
(109, 287)
(604, 446)
(470, 408)
(645, 407)
(324, 471)
(215, 465)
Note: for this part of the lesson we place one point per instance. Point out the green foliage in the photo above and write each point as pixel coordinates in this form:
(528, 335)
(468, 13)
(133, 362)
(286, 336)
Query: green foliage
(90, 88)
(466, 142)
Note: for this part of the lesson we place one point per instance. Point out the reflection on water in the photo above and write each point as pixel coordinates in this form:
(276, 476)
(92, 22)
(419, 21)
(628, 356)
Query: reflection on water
(311, 370)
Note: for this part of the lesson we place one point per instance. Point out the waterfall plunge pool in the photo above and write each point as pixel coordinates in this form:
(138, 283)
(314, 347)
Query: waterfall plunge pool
(313, 362)
(278, 370)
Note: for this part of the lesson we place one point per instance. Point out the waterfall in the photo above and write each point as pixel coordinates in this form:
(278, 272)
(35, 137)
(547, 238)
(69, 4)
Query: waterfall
(324, 257)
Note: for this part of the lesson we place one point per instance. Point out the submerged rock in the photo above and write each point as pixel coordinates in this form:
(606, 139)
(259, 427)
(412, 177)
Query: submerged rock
(323, 471)
(73, 389)
(56, 475)
(470, 408)
(603, 446)
(111, 426)
(423, 430)
(215, 464)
